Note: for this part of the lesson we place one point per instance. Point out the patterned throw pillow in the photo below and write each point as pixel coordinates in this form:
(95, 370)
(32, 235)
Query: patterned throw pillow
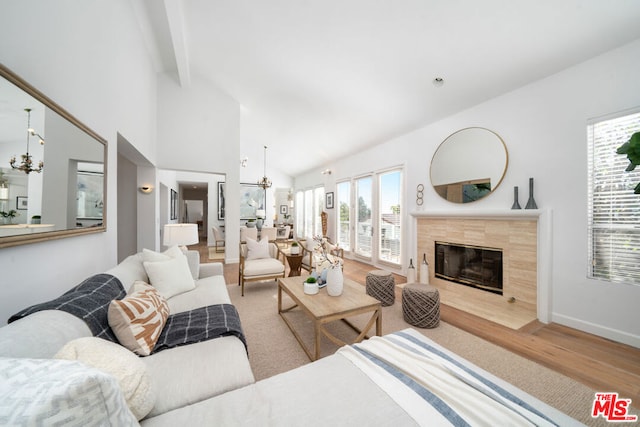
(138, 319)
(47, 392)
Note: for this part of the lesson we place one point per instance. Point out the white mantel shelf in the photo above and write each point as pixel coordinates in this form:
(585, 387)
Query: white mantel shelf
(521, 214)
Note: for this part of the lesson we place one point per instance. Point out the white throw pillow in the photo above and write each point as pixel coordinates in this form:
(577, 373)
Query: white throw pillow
(258, 250)
(153, 256)
(60, 392)
(170, 277)
(113, 359)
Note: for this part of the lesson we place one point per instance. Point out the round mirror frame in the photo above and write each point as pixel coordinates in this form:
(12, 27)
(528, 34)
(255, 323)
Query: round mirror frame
(469, 180)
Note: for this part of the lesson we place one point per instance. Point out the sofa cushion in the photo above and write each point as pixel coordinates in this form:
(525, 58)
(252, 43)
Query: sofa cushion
(262, 267)
(132, 375)
(195, 372)
(68, 392)
(208, 291)
(257, 249)
(138, 319)
(171, 276)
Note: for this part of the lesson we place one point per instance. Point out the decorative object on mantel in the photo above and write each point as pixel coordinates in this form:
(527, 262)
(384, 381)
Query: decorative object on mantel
(424, 270)
(632, 149)
(515, 205)
(419, 196)
(26, 165)
(411, 272)
(531, 203)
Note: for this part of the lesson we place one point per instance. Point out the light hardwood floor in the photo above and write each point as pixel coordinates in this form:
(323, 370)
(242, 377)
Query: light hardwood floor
(599, 363)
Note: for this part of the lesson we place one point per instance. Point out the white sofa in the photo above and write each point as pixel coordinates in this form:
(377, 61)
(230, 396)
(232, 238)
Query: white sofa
(180, 376)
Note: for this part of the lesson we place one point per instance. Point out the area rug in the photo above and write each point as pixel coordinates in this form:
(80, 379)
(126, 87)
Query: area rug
(218, 256)
(273, 349)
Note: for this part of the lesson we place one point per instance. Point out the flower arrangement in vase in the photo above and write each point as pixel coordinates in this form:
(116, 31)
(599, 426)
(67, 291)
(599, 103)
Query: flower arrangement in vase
(333, 264)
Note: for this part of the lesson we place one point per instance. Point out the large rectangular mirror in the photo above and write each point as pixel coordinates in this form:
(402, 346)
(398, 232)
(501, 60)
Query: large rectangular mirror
(48, 190)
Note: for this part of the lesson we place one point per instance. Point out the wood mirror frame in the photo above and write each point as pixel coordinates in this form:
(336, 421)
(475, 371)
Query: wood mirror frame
(65, 201)
(469, 165)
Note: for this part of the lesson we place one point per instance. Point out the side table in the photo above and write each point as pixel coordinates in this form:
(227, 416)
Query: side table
(295, 262)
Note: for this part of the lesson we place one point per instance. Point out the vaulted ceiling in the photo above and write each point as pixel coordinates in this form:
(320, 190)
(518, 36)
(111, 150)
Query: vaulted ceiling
(321, 79)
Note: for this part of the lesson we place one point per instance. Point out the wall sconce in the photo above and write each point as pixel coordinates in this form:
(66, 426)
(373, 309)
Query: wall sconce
(327, 171)
(244, 162)
(146, 189)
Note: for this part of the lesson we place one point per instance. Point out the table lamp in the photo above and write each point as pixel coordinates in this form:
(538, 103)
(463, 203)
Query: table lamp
(180, 234)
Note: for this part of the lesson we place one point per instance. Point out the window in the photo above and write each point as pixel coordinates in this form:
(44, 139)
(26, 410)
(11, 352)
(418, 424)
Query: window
(309, 207)
(364, 226)
(343, 190)
(389, 220)
(613, 219)
(319, 207)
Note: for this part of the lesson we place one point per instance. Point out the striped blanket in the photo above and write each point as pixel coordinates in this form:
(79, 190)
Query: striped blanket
(435, 388)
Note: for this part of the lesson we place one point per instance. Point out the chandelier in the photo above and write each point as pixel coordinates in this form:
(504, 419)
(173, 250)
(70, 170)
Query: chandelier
(26, 165)
(265, 182)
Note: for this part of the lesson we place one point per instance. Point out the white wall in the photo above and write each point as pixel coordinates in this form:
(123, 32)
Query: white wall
(90, 59)
(544, 128)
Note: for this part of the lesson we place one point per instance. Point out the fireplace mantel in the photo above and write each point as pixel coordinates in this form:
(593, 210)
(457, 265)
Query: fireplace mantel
(543, 217)
(480, 213)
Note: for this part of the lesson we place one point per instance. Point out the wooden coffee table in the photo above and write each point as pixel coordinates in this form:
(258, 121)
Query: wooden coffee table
(322, 309)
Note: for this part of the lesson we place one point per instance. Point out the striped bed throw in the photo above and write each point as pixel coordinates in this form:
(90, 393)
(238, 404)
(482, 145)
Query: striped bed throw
(437, 389)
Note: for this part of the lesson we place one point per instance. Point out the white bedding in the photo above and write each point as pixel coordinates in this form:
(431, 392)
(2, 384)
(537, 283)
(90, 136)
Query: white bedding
(435, 388)
(342, 390)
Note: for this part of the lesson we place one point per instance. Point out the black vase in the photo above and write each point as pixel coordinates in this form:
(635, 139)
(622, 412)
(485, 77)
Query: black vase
(515, 205)
(531, 203)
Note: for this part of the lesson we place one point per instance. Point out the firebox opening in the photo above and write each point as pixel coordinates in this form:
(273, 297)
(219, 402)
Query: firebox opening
(473, 266)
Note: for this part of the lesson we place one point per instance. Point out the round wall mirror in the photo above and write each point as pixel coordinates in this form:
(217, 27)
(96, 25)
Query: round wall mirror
(469, 165)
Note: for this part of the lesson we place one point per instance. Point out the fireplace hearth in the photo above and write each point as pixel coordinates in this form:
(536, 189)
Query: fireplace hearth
(468, 265)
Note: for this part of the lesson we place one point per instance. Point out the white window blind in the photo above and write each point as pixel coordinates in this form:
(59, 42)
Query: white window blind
(614, 209)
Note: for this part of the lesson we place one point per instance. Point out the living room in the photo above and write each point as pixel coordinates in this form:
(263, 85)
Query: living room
(93, 59)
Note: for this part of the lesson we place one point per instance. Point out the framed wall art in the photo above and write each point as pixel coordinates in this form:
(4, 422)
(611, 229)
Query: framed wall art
(329, 200)
(221, 190)
(252, 198)
(174, 204)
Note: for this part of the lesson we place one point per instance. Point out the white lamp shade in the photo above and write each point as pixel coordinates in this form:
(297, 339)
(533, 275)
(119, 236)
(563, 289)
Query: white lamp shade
(180, 234)
(261, 213)
(4, 193)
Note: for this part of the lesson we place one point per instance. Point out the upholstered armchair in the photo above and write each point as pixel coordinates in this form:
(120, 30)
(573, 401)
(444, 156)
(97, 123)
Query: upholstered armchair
(218, 236)
(259, 262)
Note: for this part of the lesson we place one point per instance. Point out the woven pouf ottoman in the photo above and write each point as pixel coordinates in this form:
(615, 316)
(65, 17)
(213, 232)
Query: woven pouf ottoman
(381, 285)
(421, 305)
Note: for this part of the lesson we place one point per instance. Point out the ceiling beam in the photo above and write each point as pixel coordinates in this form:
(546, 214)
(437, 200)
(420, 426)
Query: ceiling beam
(175, 18)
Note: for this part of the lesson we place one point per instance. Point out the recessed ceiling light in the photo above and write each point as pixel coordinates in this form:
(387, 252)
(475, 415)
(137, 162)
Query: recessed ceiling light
(438, 81)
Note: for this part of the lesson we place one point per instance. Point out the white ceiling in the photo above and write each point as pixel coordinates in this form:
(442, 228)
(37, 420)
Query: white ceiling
(321, 79)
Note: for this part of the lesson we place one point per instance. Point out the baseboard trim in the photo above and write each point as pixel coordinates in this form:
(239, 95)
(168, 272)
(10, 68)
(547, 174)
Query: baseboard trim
(602, 331)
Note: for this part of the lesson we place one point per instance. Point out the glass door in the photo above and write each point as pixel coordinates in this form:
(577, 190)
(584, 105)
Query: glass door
(363, 218)
(343, 190)
(389, 218)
